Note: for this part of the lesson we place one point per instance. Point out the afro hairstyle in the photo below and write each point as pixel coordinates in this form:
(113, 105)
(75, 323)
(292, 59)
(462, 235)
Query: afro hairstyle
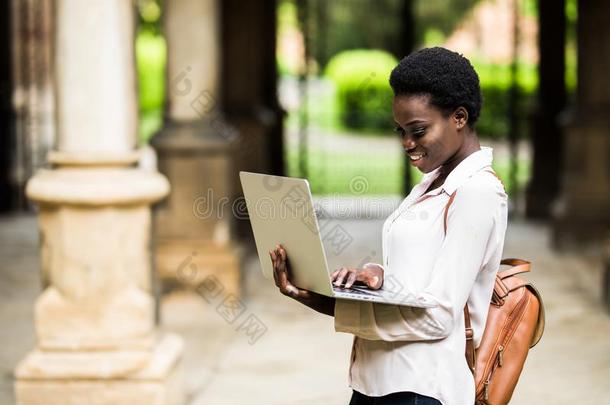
(446, 77)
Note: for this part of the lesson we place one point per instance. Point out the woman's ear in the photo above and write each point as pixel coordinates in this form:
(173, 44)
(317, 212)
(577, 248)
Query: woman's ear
(460, 117)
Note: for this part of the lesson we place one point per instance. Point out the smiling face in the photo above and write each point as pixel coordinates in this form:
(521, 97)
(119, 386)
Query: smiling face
(430, 138)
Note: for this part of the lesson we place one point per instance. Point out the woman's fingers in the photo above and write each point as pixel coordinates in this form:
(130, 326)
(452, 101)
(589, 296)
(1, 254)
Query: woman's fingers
(275, 277)
(273, 258)
(374, 277)
(341, 276)
(374, 282)
(349, 276)
(275, 261)
(281, 272)
(351, 279)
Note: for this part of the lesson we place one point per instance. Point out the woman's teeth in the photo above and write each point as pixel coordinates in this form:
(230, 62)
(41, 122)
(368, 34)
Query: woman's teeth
(416, 157)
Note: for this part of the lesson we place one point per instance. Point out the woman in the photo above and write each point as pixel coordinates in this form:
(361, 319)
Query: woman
(443, 244)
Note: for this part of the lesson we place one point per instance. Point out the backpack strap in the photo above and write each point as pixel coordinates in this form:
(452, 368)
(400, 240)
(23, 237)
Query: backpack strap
(451, 198)
(519, 266)
(490, 170)
(514, 262)
(470, 350)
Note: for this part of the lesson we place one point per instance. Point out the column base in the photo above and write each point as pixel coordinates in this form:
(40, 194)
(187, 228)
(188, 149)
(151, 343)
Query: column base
(102, 377)
(187, 263)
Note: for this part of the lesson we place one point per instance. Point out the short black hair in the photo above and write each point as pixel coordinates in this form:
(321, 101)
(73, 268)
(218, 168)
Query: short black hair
(445, 76)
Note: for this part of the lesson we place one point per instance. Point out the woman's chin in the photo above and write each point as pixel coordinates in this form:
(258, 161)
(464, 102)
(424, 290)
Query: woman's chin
(421, 164)
(425, 167)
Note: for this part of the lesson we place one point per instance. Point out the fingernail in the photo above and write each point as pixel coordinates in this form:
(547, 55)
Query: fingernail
(292, 291)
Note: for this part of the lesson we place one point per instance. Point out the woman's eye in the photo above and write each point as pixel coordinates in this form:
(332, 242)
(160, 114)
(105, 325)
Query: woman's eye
(415, 132)
(419, 132)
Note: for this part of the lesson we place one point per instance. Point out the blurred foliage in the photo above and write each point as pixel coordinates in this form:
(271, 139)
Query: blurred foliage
(495, 86)
(384, 171)
(364, 98)
(347, 24)
(340, 25)
(493, 122)
(360, 99)
(363, 102)
(440, 17)
(149, 16)
(286, 25)
(151, 55)
(571, 46)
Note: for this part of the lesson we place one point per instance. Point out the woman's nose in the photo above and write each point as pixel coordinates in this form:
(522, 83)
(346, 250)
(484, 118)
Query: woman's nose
(408, 143)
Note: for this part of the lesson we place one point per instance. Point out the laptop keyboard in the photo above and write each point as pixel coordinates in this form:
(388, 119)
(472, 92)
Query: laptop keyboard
(357, 290)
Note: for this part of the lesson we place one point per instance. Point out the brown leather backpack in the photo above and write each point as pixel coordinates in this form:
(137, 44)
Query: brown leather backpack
(515, 323)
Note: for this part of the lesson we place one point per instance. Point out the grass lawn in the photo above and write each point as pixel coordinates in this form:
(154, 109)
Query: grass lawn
(364, 172)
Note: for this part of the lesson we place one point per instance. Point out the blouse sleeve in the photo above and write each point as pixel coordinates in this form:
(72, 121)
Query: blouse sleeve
(473, 234)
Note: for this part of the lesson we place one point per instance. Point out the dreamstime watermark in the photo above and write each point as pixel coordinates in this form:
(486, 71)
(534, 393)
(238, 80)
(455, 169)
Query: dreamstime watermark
(336, 237)
(377, 101)
(359, 185)
(227, 305)
(207, 206)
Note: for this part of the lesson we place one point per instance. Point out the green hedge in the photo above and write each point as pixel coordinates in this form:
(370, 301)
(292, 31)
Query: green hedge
(495, 86)
(363, 95)
(493, 122)
(150, 56)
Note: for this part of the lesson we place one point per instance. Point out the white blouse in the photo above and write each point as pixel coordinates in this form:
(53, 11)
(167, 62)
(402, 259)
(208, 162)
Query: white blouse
(398, 348)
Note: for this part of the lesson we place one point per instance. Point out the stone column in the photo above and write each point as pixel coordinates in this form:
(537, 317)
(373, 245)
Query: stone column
(8, 188)
(32, 90)
(94, 320)
(195, 151)
(547, 136)
(583, 211)
(250, 98)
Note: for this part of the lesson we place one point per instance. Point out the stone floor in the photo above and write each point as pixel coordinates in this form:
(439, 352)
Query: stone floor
(300, 359)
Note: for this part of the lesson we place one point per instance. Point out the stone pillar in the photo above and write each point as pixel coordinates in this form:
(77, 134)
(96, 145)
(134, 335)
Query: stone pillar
(195, 151)
(547, 136)
(8, 188)
(94, 320)
(32, 90)
(250, 90)
(583, 211)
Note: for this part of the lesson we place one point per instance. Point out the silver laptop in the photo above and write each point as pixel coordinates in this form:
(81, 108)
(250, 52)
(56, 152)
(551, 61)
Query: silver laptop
(281, 211)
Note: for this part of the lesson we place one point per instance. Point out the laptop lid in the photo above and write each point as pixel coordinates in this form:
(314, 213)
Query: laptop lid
(281, 212)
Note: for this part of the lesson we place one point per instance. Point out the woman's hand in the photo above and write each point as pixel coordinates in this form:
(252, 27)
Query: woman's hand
(370, 275)
(281, 275)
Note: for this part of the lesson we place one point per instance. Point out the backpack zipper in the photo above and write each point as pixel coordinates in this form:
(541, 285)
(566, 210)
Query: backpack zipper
(499, 359)
(500, 355)
(497, 363)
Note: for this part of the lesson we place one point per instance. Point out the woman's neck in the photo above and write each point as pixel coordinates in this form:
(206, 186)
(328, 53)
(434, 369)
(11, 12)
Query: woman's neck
(471, 144)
